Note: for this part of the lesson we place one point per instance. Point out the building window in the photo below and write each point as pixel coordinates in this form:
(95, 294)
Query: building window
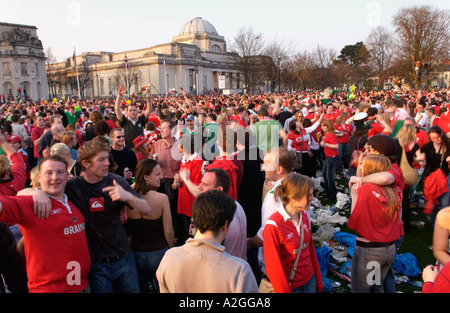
(101, 86)
(37, 69)
(216, 49)
(6, 69)
(24, 68)
(205, 83)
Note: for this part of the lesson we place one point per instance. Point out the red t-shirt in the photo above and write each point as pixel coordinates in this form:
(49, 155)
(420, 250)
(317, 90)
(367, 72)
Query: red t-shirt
(185, 198)
(56, 248)
(298, 140)
(36, 133)
(333, 116)
(345, 129)
(376, 129)
(331, 139)
(19, 174)
(369, 216)
(422, 137)
(228, 166)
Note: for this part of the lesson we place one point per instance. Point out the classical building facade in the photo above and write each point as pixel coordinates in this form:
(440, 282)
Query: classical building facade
(196, 60)
(22, 63)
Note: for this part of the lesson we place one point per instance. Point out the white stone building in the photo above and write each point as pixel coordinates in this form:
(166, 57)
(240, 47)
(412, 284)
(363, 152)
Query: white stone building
(196, 60)
(22, 63)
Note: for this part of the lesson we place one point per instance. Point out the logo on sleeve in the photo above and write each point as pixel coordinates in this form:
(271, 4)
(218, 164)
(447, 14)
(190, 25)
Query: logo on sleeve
(97, 204)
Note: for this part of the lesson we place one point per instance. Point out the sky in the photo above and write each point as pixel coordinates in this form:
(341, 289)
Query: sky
(117, 26)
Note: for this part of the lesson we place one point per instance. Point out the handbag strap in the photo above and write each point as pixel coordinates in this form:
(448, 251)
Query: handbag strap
(294, 268)
(442, 157)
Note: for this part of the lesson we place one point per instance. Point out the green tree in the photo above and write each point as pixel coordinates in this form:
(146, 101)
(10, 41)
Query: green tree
(357, 57)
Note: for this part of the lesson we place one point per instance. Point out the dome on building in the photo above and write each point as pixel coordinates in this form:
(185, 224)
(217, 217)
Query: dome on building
(198, 26)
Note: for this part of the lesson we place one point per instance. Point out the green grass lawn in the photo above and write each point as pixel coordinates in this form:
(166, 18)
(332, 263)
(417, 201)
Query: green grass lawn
(417, 241)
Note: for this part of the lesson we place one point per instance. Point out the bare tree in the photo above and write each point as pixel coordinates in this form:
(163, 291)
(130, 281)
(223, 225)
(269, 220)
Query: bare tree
(85, 77)
(423, 40)
(303, 69)
(51, 72)
(120, 77)
(324, 57)
(246, 46)
(323, 63)
(380, 45)
(279, 51)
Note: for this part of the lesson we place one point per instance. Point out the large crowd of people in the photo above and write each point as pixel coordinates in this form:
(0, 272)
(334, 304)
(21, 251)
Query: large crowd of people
(211, 193)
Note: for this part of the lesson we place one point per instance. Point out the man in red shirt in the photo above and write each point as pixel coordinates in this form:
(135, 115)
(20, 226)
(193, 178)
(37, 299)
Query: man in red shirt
(56, 249)
(332, 113)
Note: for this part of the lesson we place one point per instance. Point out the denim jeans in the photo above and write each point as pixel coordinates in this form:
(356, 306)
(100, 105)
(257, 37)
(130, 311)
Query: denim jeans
(147, 263)
(344, 156)
(328, 172)
(309, 287)
(369, 268)
(389, 280)
(119, 276)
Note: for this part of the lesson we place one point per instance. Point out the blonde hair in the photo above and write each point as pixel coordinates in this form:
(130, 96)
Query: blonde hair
(294, 186)
(341, 118)
(223, 117)
(33, 176)
(406, 135)
(376, 163)
(60, 149)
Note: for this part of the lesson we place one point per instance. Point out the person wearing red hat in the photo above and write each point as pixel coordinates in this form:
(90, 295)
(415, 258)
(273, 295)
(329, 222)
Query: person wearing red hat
(141, 147)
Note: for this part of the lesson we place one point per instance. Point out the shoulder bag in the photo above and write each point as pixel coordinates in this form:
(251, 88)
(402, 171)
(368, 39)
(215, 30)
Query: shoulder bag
(410, 173)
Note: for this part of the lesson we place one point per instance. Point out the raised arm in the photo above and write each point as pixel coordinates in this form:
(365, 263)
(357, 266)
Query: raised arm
(117, 109)
(193, 188)
(149, 107)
